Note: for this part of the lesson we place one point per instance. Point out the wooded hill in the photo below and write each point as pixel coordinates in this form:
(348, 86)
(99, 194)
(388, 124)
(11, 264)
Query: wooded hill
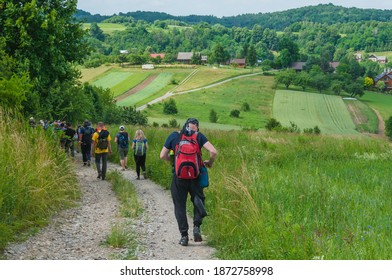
(322, 13)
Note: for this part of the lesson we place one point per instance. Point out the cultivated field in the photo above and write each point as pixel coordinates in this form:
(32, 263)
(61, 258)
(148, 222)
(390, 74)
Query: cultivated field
(308, 110)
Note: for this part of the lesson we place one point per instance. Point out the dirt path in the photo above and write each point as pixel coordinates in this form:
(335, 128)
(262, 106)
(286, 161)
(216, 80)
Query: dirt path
(79, 233)
(137, 88)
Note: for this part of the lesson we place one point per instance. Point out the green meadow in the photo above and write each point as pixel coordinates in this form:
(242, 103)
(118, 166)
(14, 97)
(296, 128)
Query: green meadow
(308, 110)
(381, 102)
(107, 28)
(291, 196)
(256, 91)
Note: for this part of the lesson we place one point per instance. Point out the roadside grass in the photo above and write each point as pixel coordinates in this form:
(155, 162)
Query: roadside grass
(255, 90)
(38, 179)
(365, 119)
(293, 196)
(308, 110)
(122, 235)
(381, 102)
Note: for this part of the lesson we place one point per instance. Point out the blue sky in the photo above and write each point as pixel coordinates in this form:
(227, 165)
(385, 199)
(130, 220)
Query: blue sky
(217, 8)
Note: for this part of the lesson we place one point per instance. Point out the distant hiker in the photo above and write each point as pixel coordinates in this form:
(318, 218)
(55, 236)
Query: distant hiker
(85, 138)
(32, 122)
(101, 148)
(122, 140)
(187, 145)
(69, 139)
(140, 146)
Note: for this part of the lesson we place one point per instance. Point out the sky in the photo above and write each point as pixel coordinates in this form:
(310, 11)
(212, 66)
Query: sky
(218, 8)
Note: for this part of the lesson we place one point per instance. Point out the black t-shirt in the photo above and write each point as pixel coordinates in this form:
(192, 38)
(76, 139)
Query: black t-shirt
(70, 133)
(174, 139)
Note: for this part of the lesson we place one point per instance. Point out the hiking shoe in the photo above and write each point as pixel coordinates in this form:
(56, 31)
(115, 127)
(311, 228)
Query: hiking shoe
(84, 163)
(88, 163)
(184, 241)
(197, 235)
(144, 175)
(126, 167)
(99, 176)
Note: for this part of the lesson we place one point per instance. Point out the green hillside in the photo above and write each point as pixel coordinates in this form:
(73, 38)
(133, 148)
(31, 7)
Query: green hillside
(308, 110)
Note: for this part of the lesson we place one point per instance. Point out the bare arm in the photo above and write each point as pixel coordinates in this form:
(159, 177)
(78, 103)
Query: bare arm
(165, 154)
(209, 147)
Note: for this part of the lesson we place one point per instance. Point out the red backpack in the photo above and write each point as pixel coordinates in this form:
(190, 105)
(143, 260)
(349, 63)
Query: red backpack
(188, 160)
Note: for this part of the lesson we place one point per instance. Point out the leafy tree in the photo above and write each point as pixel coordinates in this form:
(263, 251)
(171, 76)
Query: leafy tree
(368, 82)
(170, 107)
(320, 81)
(46, 39)
(337, 87)
(272, 124)
(286, 77)
(96, 32)
(219, 55)
(381, 86)
(251, 59)
(303, 80)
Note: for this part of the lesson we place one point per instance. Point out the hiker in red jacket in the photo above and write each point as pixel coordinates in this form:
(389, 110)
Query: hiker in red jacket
(187, 145)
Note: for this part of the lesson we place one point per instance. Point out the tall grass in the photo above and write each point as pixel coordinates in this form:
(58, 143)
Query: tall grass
(291, 196)
(37, 179)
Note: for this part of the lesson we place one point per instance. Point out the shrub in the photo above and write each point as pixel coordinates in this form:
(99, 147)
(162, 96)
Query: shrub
(155, 124)
(245, 107)
(388, 128)
(235, 113)
(173, 123)
(170, 107)
(272, 124)
(213, 116)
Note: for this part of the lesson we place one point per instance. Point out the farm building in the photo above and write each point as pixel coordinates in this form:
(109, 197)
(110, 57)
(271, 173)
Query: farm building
(147, 66)
(379, 59)
(184, 57)
(299, 65)
(241, 62)
(155, 55)
(385, 77)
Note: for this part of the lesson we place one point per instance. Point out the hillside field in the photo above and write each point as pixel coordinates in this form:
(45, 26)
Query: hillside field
(308, 110)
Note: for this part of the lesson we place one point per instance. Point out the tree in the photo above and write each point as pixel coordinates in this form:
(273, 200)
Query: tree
(44, 37)
(286, 77)
(368, 82)
(170, 107)
(303, 80)
(219, 54)
(96, 32)
(252, 57)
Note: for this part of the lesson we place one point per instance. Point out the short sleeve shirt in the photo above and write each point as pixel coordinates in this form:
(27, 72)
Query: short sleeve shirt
(174, 139)
(95, 139)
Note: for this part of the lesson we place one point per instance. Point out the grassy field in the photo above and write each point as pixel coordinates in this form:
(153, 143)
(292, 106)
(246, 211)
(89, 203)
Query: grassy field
(308, 110)
(291, 196)
(381, 102)
(256, 91)
(107, 28)
(90, 74)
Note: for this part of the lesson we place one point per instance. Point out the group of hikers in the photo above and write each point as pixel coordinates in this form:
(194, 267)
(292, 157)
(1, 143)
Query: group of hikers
(181, 148)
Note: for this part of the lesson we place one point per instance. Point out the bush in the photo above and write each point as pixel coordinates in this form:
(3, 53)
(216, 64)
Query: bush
(245, 107)
(173, 123)
(272, 124)
(235, 113)
(170, 107)
(388, 128)
(213, 116)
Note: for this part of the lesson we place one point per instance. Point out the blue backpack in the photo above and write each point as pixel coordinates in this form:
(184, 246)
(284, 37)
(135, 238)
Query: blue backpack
(123, 140)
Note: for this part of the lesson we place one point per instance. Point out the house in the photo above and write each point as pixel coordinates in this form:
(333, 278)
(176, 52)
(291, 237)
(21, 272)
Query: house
(379, 59)
(299, 65)
(204, 59)
(148, 66)
(123, 52)
(155, 55)
(184, 57)
(358, 56)
(385, 77)
(240, 62)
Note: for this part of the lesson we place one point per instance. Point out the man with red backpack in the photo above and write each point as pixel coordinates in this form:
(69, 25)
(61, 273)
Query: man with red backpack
(187, 145)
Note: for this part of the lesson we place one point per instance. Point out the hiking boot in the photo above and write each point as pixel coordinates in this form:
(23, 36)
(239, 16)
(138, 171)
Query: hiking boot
(126, 167)
(144, 175)
(99, 176)
(88, 163)
(184, 241)
(197, 235)
(84, 163)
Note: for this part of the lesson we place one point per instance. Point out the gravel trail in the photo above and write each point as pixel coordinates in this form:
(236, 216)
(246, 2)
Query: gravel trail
(79, 233)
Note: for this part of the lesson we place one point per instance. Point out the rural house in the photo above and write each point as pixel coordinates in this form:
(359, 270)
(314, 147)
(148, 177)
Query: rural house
(299, 65)
(241, 62)
(379, 59)
(385, 77)
(184, 57)
(155, 55)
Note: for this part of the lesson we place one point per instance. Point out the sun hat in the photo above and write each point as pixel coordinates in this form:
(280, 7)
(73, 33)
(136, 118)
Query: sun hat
(122, 127)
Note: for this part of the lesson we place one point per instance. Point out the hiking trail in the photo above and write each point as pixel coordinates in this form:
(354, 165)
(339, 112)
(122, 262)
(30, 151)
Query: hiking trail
(79, 233)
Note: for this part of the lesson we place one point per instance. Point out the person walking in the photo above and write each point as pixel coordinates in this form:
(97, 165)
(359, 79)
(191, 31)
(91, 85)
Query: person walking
(140, 146)
(85, 139)
(100, 148)
(69, 139)
(185, 175)
(122, 140)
